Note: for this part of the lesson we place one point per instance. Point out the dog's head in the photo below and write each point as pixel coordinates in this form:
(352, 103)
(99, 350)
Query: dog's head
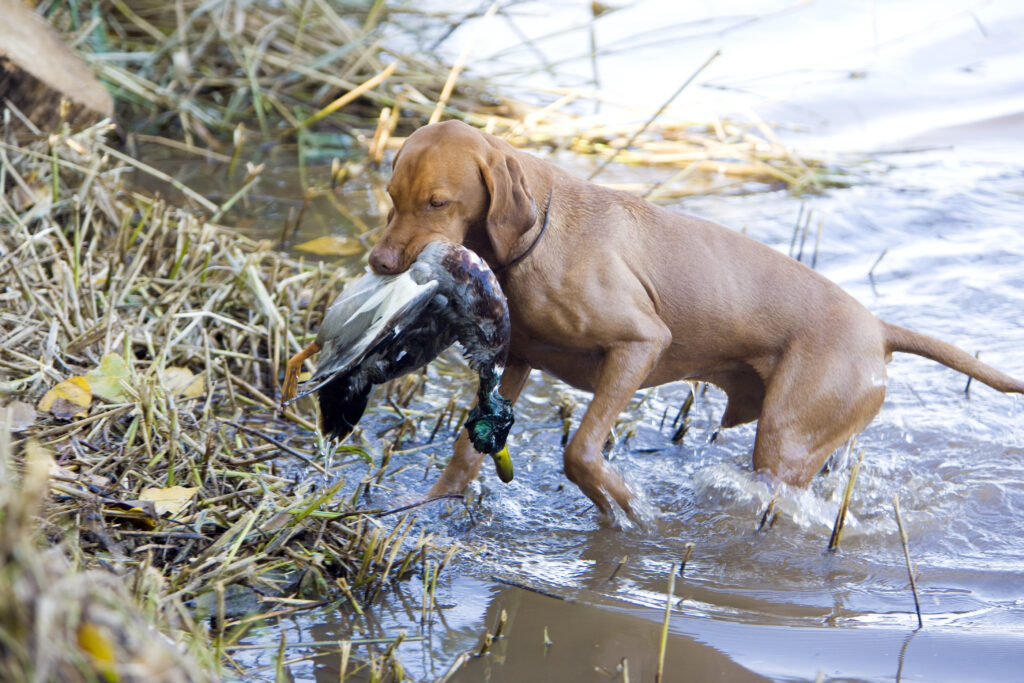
(451, 182)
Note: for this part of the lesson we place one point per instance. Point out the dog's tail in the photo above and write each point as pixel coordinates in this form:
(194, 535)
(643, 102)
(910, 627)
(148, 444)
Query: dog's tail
(901, 339)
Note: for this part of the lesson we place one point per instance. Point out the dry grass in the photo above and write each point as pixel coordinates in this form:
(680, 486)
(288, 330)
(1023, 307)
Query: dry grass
(203, 71)
(90, 269)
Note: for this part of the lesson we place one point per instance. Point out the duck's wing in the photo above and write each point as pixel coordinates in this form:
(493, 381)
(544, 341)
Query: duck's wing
(371, 311)
(479, 308)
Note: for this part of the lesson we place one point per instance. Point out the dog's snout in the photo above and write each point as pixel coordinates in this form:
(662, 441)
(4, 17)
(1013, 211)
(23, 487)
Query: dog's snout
(384, 260)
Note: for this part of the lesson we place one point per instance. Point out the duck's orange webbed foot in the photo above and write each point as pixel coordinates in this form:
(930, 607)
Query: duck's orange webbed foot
(291, 372)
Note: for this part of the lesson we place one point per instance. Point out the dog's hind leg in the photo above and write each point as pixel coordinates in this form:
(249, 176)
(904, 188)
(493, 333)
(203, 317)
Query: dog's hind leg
(814, 403)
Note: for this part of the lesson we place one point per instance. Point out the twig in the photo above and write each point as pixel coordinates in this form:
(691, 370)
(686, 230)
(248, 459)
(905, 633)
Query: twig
(174, 182)
(618, 567)
(384, 513)
(659, 674)
(686, 558)
(344, 99)
(271, 440)
(662, 108)
(837, 528)
(453, 75)
(906, 556)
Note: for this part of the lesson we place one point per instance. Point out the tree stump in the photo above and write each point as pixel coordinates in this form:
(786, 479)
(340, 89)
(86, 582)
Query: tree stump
(38, 71)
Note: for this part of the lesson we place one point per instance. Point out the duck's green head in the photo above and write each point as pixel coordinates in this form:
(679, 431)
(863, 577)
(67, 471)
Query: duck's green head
(488, 430)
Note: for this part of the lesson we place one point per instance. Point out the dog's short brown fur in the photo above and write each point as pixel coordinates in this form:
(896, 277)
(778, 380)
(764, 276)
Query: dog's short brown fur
(620, 294)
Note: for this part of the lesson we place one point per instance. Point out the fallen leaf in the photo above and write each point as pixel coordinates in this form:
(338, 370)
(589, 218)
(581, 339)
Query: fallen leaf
(170, 500)
(196, 389)
(70, 398)
(181, 381)
(98, 643)
(106, 379)
(332, 245)
(20, 415)
(141, 513)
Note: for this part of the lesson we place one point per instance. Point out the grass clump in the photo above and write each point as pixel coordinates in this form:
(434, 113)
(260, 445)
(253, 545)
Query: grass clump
(170, 471)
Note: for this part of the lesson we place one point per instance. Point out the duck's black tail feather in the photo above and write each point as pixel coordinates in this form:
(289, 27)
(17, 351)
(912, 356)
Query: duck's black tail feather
(341, 406)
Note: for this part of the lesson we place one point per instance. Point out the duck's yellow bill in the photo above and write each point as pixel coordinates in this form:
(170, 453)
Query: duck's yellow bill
(503, 465)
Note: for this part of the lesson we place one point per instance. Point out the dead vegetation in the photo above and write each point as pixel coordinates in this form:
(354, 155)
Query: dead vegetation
(160, 338)
(150, 501)
(318, 74)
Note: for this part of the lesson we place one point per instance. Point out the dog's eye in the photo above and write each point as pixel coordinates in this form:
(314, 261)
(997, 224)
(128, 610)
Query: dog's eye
(436, 203)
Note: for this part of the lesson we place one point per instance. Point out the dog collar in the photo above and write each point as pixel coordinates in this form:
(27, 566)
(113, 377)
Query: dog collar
(543, 229)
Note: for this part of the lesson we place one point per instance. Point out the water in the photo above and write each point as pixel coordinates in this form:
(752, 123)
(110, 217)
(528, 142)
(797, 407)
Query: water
(930, 239)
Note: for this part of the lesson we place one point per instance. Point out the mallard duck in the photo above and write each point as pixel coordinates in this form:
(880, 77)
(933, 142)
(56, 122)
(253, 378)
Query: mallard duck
(383, 326)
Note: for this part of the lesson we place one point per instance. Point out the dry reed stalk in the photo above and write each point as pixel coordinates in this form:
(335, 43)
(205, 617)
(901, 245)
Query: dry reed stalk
(101, 282)
(295, 65)
(837, 528)
(906, 556)
(663, 643)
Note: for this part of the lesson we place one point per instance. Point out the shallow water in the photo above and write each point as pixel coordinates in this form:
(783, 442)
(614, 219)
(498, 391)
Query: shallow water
(772, 604)
(766, 605)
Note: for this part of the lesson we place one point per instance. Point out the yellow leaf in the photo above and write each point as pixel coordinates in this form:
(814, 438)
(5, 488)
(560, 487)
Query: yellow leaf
(70, 398)
(141, 513)
(170, 500)
(332, 245)
(195, 389)
(181, 381)
(96, 641)
(105, 380)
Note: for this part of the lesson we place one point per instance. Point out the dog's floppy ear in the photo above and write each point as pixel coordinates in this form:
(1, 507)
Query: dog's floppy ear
(512, 210)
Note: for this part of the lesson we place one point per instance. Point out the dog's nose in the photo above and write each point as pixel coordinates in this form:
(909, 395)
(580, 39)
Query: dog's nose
(384, 260)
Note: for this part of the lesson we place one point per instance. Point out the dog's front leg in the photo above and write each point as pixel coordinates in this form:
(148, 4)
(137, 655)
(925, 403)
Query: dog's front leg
(465, 463)
(623, 371)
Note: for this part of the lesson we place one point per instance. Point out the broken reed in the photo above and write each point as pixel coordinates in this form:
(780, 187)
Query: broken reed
(197, 68)
(90, 268)
(197, 73)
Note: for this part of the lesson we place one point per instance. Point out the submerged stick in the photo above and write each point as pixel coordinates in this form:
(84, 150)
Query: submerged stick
(618, 567)
(686, 558)
(658, 675)
(906, 556)
(871, 270)
(769, 516)
(837, 528)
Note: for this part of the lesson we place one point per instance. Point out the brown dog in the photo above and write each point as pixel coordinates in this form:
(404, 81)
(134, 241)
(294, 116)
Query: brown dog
(620, 294)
